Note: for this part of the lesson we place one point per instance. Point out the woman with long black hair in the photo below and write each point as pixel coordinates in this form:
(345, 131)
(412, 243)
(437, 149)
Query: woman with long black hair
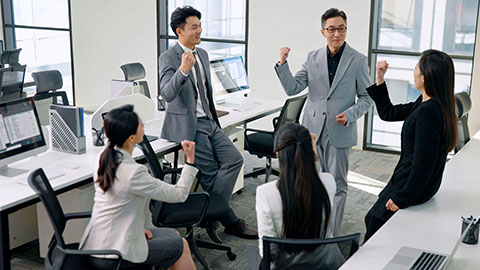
(428, 134)
(122, 191)
(298, 204)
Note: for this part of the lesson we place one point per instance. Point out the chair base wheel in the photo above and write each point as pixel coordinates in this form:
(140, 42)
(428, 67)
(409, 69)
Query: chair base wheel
(232, 256)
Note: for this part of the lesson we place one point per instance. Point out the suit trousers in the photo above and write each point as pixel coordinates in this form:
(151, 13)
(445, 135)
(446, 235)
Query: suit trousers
(335, 161)
(217, 159)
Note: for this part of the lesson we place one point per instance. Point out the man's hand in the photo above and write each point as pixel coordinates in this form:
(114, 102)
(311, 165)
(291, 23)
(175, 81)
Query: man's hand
(342, 119)
(391, 206)
(148, 234)
(188, 61)
(382, 67)
(284, 54)
(189, 150)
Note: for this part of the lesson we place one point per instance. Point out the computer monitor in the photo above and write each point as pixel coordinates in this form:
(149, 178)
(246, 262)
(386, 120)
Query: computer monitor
(229, 78)
(21, 134)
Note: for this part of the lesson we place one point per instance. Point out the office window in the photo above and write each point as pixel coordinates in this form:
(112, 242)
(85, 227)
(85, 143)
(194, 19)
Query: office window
(42, 29)
(401, 30)
(224, 25)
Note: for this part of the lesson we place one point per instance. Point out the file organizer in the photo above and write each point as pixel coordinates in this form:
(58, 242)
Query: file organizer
(66, 124)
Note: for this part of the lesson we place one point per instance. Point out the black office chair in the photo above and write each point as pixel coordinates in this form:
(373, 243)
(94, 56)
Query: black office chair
(260, 142)
(47, 83)
(61, 255)
(200, 207)
(134, 72)
(12, 76)
(463, 104)
(310, 256)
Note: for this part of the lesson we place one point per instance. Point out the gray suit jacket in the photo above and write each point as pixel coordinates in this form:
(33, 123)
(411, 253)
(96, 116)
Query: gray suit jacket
(181, 95)
(325, 102)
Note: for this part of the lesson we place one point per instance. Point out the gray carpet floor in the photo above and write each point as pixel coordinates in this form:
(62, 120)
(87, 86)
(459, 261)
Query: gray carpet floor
(373, 165)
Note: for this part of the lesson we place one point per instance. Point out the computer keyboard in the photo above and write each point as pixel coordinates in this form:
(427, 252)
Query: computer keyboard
(245, 107)
(428, 261)
(50, 172)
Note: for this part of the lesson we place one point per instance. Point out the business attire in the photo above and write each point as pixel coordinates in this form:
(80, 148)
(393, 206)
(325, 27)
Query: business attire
(118, 216)
(418, 174)
(269, 209)
(333, 82)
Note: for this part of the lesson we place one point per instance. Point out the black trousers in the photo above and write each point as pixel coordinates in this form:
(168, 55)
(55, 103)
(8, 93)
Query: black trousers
(373, 224)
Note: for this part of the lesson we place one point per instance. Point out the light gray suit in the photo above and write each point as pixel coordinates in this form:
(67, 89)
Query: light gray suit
(324, 103)
(215, 155)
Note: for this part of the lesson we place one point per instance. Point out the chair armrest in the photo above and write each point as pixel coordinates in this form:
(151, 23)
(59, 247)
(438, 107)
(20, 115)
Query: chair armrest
(252, 261)
(77, 215)
(83, 252)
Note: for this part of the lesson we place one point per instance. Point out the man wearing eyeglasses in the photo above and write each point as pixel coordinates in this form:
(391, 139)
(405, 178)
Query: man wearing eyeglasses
(334, 75)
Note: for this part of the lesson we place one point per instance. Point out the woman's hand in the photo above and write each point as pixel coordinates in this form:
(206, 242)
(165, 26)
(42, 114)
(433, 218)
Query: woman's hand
(189, 150)
(391, 206)
(382, 67)
(148, 234)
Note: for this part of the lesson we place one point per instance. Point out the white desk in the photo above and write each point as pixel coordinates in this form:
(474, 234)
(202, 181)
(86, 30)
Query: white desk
(15, 196)
(436, 224)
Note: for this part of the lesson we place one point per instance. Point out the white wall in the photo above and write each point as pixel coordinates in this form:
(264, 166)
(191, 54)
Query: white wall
(107, 34)
(474, 116)
(274, 24)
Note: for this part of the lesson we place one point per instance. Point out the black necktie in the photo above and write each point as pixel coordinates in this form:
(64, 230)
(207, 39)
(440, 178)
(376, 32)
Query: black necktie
(201, 89)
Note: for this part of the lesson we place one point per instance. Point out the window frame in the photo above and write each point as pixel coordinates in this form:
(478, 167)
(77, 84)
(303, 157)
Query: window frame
(372, 56)
(9, 37)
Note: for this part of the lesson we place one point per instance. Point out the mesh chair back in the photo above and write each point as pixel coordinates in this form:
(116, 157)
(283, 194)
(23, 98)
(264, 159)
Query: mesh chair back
(10, 57)
(291, 111)
(11, 82)
(133, 71)
(39, 183)
(151, 158)
(335, 251)
(49, 80)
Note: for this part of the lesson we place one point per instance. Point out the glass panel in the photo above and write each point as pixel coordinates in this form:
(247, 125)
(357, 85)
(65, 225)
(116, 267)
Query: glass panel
(401, 89)
(223, 19)
(46, 50)
(46, 13)
(217, 50)
(399, 25)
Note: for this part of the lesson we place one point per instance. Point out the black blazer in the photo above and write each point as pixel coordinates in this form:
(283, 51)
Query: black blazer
(418, 174)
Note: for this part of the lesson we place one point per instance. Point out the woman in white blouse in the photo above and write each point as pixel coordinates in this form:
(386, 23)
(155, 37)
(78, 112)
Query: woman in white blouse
(123, 189)
(298, 204)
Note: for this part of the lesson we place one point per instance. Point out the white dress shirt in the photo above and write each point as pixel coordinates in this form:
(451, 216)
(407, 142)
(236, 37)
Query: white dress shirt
(200, 111)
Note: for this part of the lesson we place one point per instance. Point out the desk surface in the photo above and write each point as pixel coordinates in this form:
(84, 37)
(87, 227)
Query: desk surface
(434, 225)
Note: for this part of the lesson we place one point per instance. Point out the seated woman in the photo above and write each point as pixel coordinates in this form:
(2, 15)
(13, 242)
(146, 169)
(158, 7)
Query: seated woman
(298, 204)
(122, 191)
(428, 134)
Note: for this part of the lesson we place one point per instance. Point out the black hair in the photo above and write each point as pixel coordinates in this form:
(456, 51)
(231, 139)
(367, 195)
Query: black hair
(439, 81)
(305, 201)
(120, 123)
(180, 15)
(332, 13)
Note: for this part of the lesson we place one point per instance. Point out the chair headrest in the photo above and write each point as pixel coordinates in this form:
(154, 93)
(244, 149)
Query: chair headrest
(133, 71)
(463, 104)
(10, 56)
(49, 80)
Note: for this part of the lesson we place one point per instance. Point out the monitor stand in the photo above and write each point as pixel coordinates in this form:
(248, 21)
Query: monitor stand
(11, 172)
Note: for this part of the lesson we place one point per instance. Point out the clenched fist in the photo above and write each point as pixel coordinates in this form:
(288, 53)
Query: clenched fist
(382, 67)
(189, 150)
(284, 54)
(188, 61)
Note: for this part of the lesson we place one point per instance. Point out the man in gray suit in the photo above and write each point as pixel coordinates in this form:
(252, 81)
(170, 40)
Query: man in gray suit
(185, 85)
(334, 76)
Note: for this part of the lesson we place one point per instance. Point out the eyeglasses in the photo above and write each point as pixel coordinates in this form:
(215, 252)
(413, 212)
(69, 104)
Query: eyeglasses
(331, 30)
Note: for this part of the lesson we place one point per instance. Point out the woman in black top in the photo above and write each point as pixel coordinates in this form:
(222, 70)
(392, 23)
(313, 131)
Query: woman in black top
(428, 134)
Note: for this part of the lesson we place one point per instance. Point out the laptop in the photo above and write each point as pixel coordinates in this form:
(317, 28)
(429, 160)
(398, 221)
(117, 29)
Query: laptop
(413, 258)
(150, 138)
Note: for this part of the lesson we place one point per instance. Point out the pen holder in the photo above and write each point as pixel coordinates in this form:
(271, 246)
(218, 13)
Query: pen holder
(471, 237)
(98, 137)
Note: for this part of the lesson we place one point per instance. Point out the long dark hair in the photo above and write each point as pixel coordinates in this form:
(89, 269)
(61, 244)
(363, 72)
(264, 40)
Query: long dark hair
(439, 76)
(119, 124)
(305, 202)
